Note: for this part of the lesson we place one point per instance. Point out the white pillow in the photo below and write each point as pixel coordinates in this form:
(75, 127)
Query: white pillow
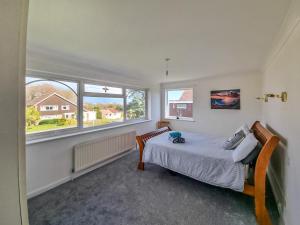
(244, 128)
(244, 148)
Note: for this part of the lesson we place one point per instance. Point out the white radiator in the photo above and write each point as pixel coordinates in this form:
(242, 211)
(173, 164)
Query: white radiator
(92, 152)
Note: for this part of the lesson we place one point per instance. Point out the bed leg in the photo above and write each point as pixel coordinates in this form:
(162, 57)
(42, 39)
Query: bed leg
(141, 166)
(261, 212)
(262, 215)
(141, 149)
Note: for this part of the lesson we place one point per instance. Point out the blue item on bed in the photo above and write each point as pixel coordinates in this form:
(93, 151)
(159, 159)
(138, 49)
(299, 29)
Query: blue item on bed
(175, 134)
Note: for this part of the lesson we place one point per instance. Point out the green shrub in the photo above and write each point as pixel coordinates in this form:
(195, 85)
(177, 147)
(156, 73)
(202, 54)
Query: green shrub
(59, 122)
(71, 122)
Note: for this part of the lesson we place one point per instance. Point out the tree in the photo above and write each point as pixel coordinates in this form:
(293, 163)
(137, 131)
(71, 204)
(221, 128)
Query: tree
(118, 107)
(98, 112)
(136, 104)
(32, 116)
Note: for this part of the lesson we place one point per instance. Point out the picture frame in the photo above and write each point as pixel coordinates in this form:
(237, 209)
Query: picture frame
(226, 99)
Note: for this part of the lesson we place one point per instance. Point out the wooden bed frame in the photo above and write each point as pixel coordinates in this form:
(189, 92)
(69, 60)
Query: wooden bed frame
(258, 190)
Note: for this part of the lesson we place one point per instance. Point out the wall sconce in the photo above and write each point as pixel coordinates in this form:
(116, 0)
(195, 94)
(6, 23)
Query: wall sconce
(282, 96)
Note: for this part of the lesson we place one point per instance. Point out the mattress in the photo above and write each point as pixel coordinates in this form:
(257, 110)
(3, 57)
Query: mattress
(201, 157)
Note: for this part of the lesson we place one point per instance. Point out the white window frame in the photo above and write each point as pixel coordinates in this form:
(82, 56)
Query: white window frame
(166, 105)
(51, 134)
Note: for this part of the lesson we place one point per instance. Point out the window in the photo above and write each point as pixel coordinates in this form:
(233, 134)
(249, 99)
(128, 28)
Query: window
(99, 111)
(65, 107)
(135, 104)
(44, 99)
(52, 105)
(179, 104)
(102, 89)
(48, 107)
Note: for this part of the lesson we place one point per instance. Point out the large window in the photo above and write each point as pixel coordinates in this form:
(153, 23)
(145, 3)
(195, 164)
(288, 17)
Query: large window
(53, 105)
(179, 104)
(50, 104)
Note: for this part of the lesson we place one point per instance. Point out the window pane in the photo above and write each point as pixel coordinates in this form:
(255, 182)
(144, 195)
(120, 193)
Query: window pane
(135, 100)
(99, 111)
(102, 89)
(50, 105)
(179, 103)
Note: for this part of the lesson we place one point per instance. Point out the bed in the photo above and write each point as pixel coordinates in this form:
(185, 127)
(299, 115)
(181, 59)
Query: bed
(203, 158)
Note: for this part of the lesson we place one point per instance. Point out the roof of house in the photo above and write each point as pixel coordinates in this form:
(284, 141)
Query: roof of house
(36, 100)
(107, 111)
(187, 95)
(40, 99)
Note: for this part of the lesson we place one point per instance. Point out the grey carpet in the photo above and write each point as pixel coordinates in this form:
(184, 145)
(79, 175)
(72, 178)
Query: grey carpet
(119, 194)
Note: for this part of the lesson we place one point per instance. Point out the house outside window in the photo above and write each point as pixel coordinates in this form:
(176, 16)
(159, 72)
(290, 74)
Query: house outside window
(179, 104)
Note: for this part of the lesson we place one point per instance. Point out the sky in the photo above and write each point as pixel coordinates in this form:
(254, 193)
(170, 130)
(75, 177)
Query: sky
(174, 95)
(95, 100)
(72, 85)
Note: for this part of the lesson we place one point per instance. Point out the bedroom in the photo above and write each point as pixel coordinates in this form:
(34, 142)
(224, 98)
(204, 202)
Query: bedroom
(111, 70)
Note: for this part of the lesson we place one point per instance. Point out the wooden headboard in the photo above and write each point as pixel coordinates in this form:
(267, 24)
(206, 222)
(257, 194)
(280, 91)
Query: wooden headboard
(261, 133)
(269, 142)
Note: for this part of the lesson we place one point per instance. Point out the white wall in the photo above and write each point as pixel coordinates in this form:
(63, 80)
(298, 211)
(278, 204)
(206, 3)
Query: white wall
(220, 122)
(50, 163)
(13, 207)
(283, 74)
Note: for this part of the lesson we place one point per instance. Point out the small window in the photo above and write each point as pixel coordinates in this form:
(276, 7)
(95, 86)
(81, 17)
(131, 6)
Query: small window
(44, 99)
(91, 88)
(65, 107)
(179, 104)
(98, 111)
(135, 104)
(48, 107)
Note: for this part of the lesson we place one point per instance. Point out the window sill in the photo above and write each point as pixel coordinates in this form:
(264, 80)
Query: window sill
(83, 131)
(180, 119)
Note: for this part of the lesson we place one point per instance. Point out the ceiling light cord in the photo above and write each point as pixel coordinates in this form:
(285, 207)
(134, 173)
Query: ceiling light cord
(167, 67)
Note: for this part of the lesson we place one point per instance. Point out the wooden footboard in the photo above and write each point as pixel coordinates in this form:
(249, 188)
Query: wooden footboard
(142, 139)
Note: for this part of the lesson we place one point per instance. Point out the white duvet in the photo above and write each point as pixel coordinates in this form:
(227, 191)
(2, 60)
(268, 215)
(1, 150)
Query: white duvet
(200, 157)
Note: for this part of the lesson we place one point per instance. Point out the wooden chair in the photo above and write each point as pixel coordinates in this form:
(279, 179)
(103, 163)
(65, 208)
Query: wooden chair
(163, 123)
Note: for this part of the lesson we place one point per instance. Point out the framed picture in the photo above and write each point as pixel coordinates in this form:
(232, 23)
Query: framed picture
(225, 99)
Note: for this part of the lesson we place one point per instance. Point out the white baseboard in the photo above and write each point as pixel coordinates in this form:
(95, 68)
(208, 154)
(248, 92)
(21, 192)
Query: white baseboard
(278, 193)
(48, 187)
(73, 176)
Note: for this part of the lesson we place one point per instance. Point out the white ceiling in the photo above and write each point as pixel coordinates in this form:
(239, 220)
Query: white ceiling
(133, 37)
